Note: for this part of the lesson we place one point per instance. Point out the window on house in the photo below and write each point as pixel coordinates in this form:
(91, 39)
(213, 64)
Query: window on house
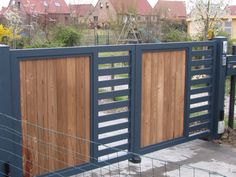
(18, 5)
(66, 20)
(228, 27)
(45, 4)
(101, 5)
(57, 4)
(95, 18)
(107, 5)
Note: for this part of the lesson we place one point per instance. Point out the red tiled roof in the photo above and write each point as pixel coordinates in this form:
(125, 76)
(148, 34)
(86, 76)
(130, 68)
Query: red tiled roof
(45, 6)
(81, 9)
(171, 9)
(232, 9)
(141, 7)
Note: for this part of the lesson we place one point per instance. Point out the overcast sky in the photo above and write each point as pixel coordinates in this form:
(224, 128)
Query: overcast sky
(152, 2)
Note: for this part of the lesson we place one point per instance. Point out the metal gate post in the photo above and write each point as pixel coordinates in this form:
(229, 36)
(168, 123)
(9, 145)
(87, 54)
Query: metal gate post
(232, 96)
(219, 87)
(5, 108)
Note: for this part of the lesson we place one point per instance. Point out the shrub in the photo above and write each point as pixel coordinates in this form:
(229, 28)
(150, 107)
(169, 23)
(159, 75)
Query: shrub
(66, 36)
(175, 35)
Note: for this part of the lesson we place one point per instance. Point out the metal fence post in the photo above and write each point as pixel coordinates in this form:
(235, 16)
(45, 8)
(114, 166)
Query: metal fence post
(232, 96)
(220, 77)
(5, 108)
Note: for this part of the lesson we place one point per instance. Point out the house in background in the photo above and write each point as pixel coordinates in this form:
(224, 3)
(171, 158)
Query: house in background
(107, 11)
(226, 23)
(2, 11)
(44, 12)
(229, 23)
(80, 13)
(173, 10)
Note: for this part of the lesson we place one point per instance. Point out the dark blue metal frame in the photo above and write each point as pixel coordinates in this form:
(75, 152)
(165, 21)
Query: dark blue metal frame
(219, 86)
(10, 93)
(5, 105)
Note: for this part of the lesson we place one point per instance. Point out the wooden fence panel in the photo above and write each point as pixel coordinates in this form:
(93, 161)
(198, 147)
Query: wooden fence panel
(163, 93)
(55, 95)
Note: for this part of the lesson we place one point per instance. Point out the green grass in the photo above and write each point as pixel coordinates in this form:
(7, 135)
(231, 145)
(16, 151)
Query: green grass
(121, 98)
(121, 76)
(113, 54)
(198, 114)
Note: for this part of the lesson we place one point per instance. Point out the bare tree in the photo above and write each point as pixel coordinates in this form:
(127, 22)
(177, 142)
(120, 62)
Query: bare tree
(14, 22)
(207, 15)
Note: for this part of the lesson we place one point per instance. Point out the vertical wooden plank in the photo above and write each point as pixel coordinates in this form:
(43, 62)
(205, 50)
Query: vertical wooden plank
(52, 113)
(160, 101)
(71, 113)
(183, 89)
(87, 107)
(178, 96)
(167, 95)
(62, 140)
(41, 110)
(154, 97)
(146, 101)
(23, 91)
(32, 119)
(180, 88)
(172, 99)
(80, 108)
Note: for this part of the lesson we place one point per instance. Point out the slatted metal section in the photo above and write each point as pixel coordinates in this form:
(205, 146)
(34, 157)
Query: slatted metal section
(113, 102)
(201, 88)
(231, 65)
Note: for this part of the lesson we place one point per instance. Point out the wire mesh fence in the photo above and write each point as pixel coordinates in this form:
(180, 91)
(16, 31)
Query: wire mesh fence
(51, 156)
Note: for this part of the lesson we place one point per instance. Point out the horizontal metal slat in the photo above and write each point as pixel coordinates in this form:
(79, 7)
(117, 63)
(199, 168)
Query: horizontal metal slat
(203, 44)
(111, 83)
(114, 138)
(113, 128)
(114, 94)
(113, 71)
(202, 62)
(198, 135)
(116, 159)
(231, 71)
(200, 99)
(112, 117)
(199, 109)
(200, 127)
(206, 71)
(231, 58)
(201, 90)
(114, 105)
(115, 59)
(200, 118)
(202, 53)
(201, 81)
(113, 150)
